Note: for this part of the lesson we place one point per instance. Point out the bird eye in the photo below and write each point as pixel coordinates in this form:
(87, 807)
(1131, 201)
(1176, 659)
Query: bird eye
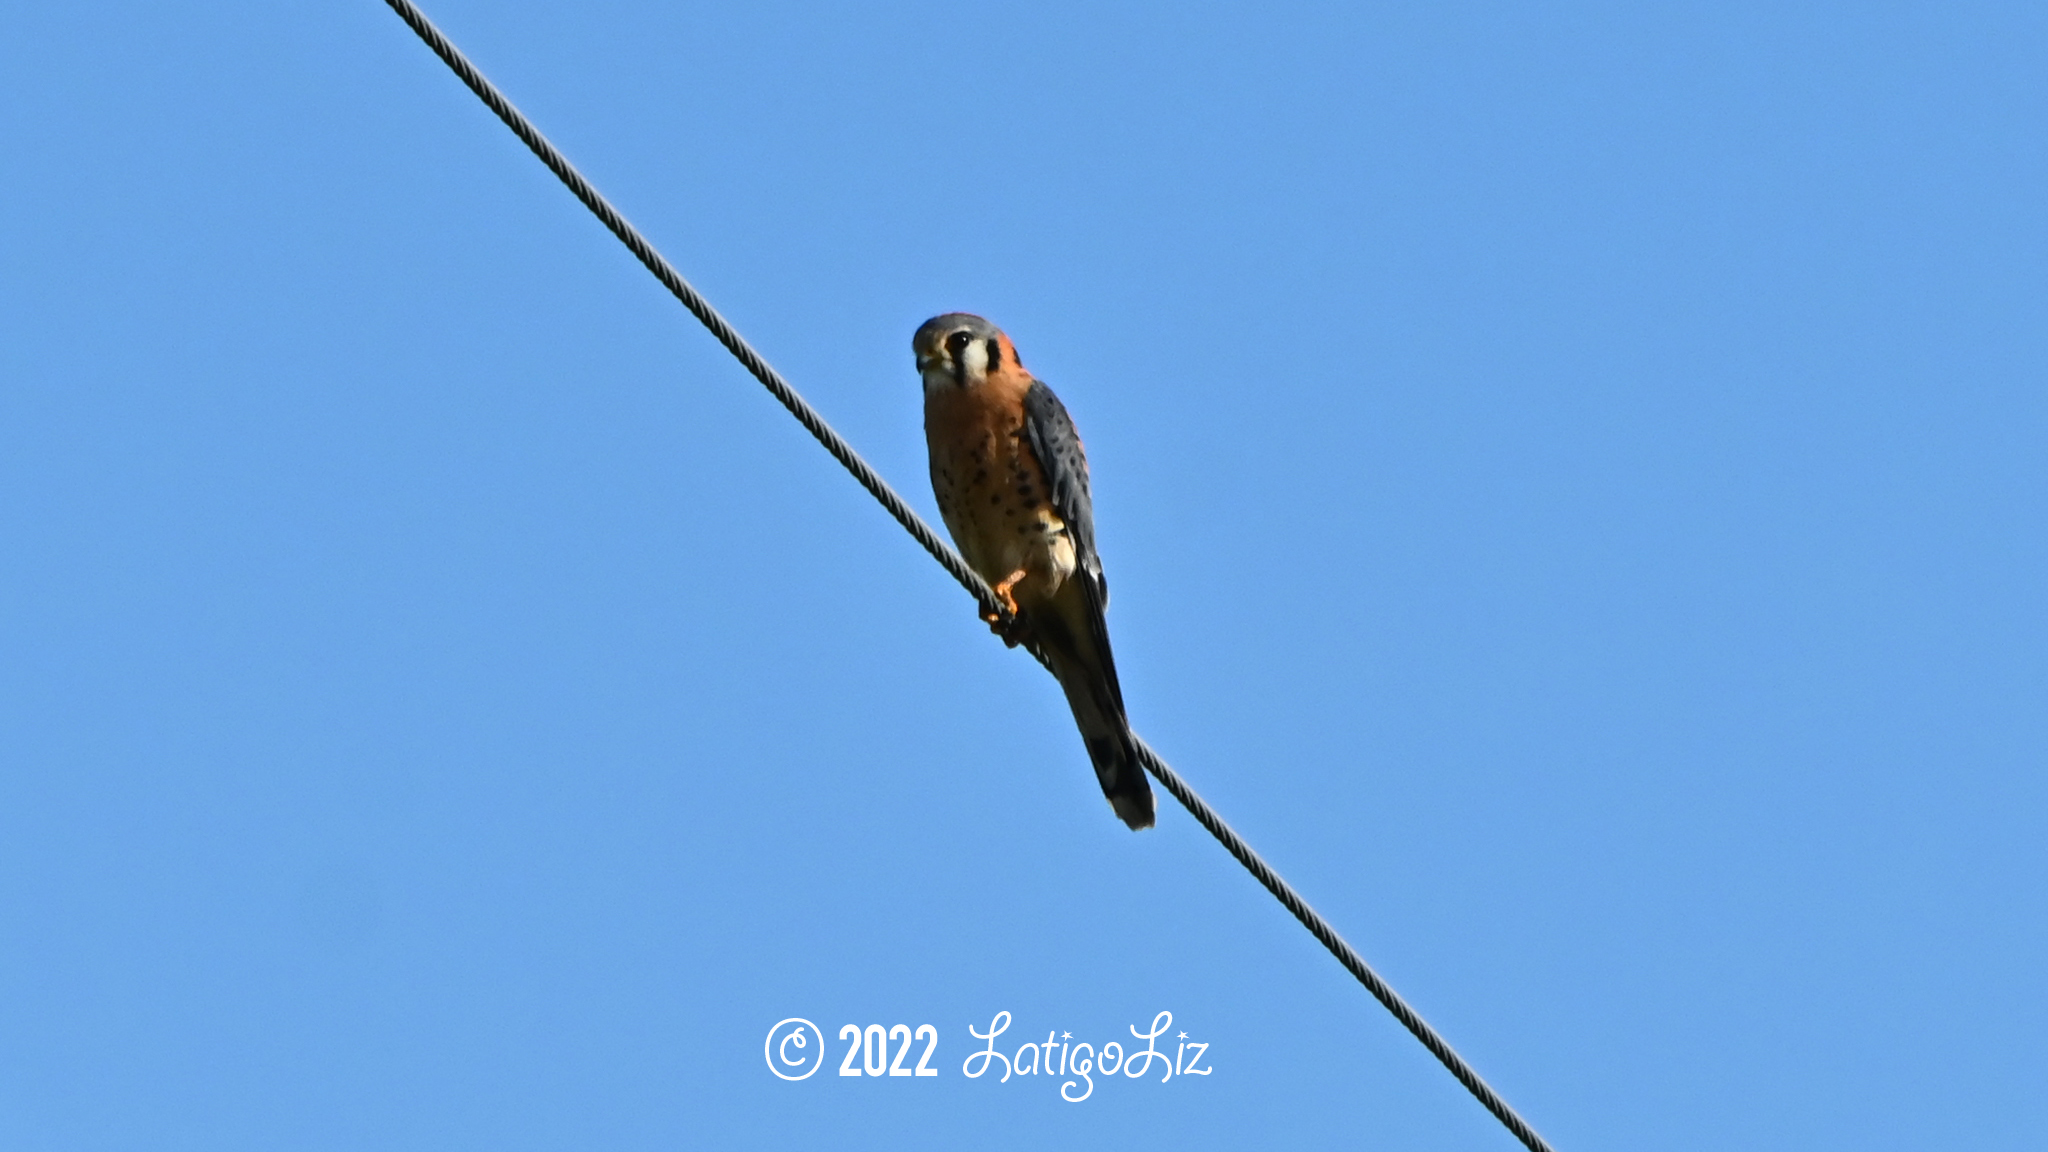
(958, 342)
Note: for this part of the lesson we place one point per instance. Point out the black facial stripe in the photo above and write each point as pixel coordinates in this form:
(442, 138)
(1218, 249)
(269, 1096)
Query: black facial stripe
(956, 349)
(995, 355)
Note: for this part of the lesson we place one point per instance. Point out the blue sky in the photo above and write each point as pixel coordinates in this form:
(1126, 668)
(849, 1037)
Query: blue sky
(1571, 480)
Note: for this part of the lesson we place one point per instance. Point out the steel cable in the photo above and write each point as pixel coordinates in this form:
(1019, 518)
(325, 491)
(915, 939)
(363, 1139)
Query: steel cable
(943, 552)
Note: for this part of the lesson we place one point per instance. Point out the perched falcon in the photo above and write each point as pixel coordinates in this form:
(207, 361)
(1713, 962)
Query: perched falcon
(1013, 488)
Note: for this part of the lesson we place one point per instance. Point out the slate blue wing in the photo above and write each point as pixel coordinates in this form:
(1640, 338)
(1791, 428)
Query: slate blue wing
(1058, 448)
(1071, 628)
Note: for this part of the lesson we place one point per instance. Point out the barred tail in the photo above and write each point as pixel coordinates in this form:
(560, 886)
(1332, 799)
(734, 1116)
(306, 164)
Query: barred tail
(1108, 737)
(1091, 690)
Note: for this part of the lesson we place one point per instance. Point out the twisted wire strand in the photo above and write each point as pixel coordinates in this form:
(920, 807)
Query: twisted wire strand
(1339, 947)
(700, 307)
(951, 560)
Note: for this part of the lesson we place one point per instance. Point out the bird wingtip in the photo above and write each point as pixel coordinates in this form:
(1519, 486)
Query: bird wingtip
(1135, 811)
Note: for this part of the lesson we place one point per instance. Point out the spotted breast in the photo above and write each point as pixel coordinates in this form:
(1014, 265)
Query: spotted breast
(1012, 485)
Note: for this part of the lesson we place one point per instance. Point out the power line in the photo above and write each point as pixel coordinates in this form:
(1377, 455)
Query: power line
(948, 558)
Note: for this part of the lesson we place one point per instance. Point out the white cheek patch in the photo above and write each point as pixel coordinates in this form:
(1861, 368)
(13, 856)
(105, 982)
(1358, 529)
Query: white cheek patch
(974, 358)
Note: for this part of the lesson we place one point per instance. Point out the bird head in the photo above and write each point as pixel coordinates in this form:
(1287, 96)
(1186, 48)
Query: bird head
(958, 350)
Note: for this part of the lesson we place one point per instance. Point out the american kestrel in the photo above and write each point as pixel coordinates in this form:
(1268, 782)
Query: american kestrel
(1012, 485)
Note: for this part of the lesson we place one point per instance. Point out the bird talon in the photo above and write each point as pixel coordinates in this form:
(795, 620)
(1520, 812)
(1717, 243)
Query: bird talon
(1003, 590)
(1003, 593)
(1011, 634)
(1014, 632)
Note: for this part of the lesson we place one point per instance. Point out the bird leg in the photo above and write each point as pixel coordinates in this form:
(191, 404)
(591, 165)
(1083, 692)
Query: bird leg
(1016, 631)
(1004, 595)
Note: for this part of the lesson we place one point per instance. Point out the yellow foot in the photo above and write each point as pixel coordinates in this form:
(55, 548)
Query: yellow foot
(1015, 631)
(1003, 596)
